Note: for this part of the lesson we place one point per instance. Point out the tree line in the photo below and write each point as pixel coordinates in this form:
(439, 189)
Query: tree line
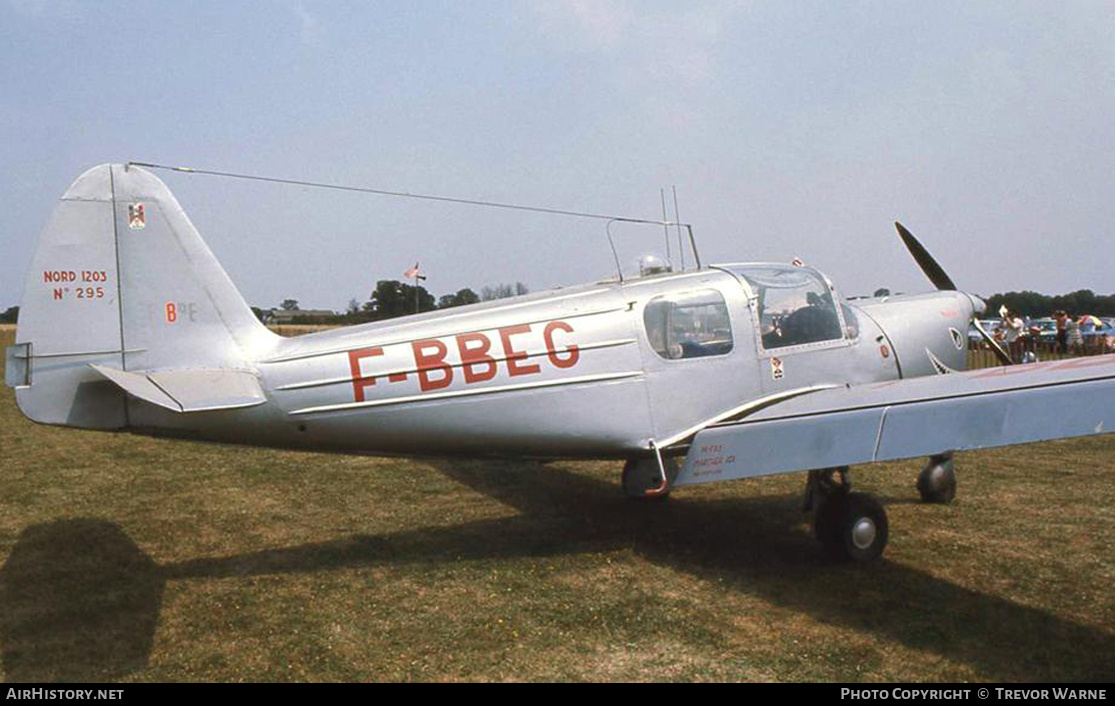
(1034, 304)
(392, 298)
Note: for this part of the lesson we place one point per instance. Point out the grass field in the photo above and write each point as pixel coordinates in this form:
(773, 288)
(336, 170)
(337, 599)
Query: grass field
(131, 558)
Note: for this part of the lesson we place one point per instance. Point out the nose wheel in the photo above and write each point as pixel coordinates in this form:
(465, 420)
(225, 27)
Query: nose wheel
(937, 481)
(850, 526)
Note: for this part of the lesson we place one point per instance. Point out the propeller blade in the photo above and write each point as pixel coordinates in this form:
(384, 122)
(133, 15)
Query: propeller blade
(1001, 354)
(928, 265)
(942, 281)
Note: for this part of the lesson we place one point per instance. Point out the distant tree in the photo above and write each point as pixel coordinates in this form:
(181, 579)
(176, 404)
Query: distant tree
(462, 297)
(502, 291)
(393, 298)
(353, 306)
(289, 305)
(1085, 301)
(1034, 304)
(10, 316)
(882, 292)
(258, 312)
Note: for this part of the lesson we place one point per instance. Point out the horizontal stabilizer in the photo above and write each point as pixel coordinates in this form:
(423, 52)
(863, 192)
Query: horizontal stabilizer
(189, 390)
(908, 418)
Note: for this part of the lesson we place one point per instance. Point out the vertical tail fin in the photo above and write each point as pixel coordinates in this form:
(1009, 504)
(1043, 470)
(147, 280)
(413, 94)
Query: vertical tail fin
(123, 280)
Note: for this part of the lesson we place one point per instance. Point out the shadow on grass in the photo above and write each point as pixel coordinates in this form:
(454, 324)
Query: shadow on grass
(80, 601)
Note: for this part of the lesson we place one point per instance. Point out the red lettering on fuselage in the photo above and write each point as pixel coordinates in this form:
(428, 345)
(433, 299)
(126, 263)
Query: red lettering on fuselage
(427, 363)
(476, 356)
(573, 352)
(477, 362)
(359, 382)
(514, 368)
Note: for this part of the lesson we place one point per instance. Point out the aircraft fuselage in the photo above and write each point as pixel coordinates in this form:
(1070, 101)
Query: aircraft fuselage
(569, 373)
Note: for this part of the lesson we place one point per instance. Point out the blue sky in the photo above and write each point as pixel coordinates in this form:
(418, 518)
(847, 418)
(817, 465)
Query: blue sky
(790, 129)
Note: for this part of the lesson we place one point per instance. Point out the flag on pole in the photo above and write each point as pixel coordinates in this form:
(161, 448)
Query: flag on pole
(415, 274)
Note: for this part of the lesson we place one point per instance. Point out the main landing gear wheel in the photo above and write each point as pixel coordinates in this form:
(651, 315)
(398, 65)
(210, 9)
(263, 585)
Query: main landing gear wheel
(641, 475)
(850, 526)
(937, 481)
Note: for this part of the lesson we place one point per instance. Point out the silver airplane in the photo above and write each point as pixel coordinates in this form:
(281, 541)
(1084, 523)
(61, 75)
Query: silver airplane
(129, 323)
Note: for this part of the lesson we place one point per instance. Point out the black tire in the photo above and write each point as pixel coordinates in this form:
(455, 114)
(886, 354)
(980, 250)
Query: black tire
(641, 475)
(937, 483)
(852, 527)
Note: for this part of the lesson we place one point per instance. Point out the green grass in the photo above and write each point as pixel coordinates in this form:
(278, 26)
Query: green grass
(130, 558)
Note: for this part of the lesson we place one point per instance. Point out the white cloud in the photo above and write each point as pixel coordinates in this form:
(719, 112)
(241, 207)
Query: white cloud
(595, 24)
(669, 44)
(665, 60)
(46, 9)
(310, 31)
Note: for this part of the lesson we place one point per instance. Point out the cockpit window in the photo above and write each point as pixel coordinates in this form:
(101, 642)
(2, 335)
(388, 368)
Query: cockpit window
(690, 325)
(795, 306)
(851, 322)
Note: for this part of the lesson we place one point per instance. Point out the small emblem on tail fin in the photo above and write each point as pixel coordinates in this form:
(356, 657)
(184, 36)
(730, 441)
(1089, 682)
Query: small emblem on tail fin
(137, 220)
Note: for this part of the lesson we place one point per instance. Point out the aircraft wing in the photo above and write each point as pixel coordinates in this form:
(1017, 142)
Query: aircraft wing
(906, 418)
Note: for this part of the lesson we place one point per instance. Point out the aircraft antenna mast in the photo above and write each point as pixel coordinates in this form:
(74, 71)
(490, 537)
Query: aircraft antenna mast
(665, 227)
(681, 247)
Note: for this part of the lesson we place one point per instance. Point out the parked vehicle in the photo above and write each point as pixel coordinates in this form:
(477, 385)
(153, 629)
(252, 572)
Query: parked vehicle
(1046, 329)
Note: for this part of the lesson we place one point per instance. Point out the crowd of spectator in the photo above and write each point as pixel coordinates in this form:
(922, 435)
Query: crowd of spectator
(1061, 333)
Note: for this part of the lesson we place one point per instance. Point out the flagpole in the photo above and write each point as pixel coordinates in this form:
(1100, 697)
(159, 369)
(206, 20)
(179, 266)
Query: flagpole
(416, 274)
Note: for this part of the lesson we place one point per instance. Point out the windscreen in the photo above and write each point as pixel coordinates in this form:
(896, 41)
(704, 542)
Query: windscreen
(796, 306)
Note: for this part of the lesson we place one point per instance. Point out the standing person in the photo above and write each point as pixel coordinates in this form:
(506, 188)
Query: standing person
(1062, 331)
(1073, 336)
(1012, 325)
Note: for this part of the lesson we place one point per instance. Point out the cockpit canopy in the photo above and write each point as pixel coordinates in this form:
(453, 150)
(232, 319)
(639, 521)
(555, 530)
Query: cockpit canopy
(796, 305)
